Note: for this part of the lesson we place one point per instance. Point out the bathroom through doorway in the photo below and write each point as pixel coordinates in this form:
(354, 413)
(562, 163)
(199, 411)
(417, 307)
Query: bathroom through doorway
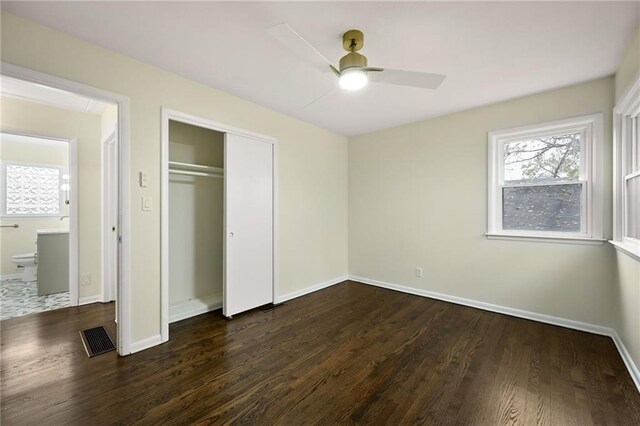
(60, 198)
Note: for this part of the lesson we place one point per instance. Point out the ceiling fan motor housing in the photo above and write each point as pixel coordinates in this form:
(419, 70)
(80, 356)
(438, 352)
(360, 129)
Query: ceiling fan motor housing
(353, 60)
(352, 41)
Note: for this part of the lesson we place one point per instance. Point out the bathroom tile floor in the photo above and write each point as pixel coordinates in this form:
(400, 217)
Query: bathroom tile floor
(18, 298)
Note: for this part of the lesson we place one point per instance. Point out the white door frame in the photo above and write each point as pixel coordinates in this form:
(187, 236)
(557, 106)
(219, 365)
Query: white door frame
(170, 114)
(109, 263)
(123, 311)
(73, 203)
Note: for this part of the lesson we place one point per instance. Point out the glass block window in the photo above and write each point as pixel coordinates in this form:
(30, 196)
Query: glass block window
(30, 190)
(541, 180)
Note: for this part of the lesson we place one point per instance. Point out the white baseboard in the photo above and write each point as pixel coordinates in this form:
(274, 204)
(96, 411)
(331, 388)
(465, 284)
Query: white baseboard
(628, 361)
(576, 325)
(90, 299)
(143, 344)
(548, 319)
(311, 289)
(191, 308)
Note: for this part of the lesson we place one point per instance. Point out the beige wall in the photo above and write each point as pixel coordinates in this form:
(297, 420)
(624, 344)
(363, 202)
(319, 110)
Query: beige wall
(312, 162)
(629, 68)
(34, 118)
(23, 239)
(195, 216)
(627, 312)
(418, 198)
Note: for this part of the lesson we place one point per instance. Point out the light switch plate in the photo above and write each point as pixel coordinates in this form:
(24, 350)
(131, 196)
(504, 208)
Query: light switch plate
(147, 204)
(144, 179)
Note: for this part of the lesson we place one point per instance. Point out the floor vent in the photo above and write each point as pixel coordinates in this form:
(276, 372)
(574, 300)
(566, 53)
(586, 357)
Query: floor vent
(96, 341)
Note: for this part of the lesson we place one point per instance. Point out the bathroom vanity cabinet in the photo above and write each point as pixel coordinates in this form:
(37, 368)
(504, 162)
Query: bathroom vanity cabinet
(53, 261)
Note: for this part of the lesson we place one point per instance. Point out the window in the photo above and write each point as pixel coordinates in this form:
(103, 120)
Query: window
(30, 190)
(545, 181)
(627, 172)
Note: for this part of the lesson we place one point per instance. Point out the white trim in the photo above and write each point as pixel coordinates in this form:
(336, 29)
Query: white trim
(627, 106)
(191, 308)
(632, 251)
(147, 343)
(626, 358)
(124, 290)
(274, 246)
(519, 313)
(214, 125)
(311, 289)
(548, 319)
(592, 177)
(170, 114)
(164, 225)
(74, 244)
(90, 299)
(547, 239)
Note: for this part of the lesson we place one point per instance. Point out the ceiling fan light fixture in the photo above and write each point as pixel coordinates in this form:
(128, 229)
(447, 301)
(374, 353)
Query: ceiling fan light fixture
(353, 79)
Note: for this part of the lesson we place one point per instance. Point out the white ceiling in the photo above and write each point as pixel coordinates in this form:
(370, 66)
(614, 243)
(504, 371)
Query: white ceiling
(49, 96)
(489, 51)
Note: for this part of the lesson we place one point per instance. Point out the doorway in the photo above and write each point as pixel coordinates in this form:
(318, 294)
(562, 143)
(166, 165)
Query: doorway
(39, 216)
(117, 162)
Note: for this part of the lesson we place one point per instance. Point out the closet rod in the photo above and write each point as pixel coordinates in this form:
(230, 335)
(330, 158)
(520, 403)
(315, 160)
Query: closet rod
(190, 173)
(191, 166)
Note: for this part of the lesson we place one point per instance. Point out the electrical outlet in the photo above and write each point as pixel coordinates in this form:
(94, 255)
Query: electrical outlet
(418, 272)
(147, 204)
(85, 279)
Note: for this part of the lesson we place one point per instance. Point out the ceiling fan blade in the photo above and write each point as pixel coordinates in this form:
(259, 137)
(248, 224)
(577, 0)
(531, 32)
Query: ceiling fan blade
(299, 46)
(424, 80)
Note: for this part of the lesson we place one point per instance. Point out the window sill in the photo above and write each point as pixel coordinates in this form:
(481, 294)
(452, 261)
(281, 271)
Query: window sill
(628, 249)
(548, 239)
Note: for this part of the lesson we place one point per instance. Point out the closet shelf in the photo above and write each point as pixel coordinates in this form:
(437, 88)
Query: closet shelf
(195, 169)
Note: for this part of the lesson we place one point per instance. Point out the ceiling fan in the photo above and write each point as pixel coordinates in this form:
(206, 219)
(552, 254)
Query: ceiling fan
(353, 71)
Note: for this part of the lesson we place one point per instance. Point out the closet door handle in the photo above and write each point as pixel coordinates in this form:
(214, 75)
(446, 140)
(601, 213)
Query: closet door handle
(231, 234)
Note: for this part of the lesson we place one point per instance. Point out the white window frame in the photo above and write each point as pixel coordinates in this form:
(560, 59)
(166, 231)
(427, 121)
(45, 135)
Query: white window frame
(3, 192)
(625, 145)
(591, 177)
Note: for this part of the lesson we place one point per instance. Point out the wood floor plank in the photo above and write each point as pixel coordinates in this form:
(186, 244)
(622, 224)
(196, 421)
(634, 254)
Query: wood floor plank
(349, 354)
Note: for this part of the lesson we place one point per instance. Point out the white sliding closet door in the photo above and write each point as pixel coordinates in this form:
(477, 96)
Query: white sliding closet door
(248, 175)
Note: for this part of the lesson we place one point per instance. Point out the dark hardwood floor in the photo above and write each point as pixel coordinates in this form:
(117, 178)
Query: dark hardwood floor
(349, 354)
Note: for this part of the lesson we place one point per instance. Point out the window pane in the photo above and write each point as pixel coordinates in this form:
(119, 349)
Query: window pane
(633, 208)
(32, 190)
(555, 208)
(550, 158)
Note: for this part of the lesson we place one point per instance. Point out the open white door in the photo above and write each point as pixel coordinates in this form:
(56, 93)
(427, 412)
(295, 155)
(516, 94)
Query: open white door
(110, 218)
(248, 176)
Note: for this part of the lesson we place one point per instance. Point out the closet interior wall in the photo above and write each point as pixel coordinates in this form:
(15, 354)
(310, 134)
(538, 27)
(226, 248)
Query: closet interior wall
(196, 208)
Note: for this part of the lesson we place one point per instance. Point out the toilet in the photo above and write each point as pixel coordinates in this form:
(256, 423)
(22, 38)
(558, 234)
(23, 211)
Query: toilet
(26, 262)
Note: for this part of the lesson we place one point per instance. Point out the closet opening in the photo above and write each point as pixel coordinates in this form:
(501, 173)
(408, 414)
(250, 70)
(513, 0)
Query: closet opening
(217, 219)
(196, 197)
